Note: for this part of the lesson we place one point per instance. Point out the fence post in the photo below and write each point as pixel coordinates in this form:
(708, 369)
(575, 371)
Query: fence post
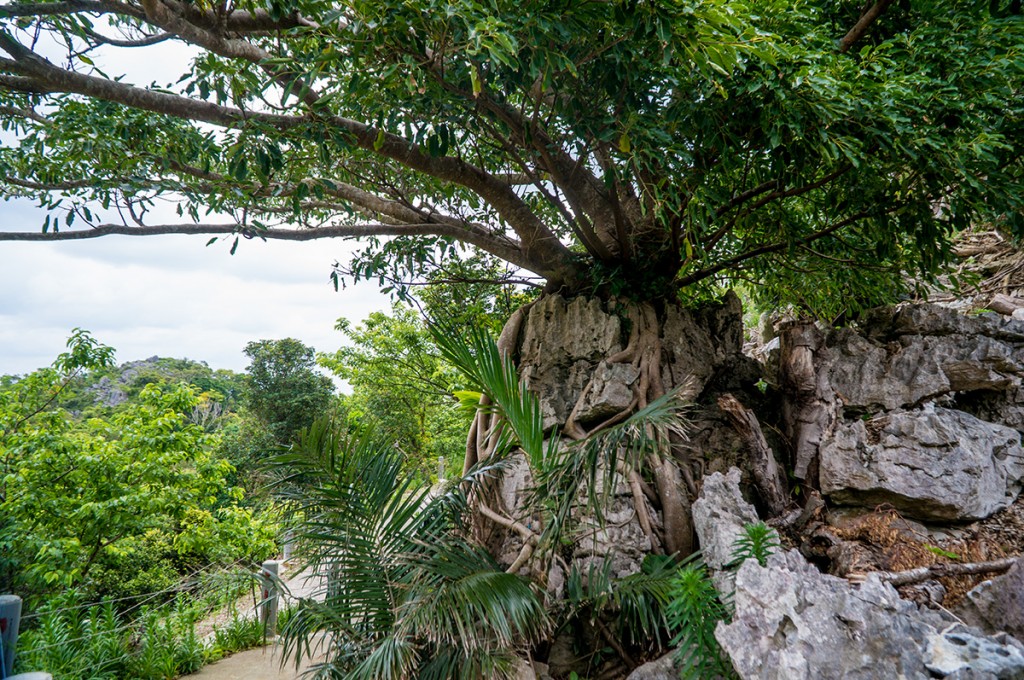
(288, 545)
(440, 469)
(271, 594)
(10, 618)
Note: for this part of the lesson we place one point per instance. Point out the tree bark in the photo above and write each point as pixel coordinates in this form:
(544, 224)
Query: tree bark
(770, 482)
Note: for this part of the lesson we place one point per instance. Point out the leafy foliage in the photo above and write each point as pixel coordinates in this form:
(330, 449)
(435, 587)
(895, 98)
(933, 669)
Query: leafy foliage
(405, 594)
(400, 385)
(283, 390)
(617, 148)
(115, 505)
(694, 611)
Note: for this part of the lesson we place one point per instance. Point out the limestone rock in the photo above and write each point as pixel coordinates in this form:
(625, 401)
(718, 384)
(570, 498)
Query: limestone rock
(663, 668)
(997, 604)
(931, 464)
(719, 515)
(564, 343)
(794, 623)
(905, 372)
(522, 670)
(610, 393)
(618, 540)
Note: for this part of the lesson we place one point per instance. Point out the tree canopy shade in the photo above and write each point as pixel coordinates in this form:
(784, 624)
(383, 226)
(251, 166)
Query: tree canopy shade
(638, 147)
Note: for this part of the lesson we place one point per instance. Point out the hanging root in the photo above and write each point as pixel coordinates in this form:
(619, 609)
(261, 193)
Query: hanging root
(530, 538)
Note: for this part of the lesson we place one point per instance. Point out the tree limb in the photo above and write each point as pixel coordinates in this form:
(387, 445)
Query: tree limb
(541, 251)
(862, 25)
(332, 231)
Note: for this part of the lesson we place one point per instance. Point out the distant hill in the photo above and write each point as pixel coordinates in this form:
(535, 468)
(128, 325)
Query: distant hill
(101, 391)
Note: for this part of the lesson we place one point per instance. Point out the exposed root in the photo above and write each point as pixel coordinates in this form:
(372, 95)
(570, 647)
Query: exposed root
(642, 516)
(472, 450)
(530, 538)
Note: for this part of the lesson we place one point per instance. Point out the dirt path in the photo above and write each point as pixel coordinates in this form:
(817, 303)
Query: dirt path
(264, 663)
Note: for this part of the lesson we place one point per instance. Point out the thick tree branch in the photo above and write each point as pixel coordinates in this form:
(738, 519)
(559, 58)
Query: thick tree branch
(862, 25)
(236, 21)
(542, 252)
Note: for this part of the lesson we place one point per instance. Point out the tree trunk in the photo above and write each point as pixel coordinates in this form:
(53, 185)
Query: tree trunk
(593, 363)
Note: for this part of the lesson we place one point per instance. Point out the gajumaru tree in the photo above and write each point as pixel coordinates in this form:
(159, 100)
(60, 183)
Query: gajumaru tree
(639, 153)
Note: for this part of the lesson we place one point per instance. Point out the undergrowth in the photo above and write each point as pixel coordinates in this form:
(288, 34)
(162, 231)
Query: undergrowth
(75, 641)
(696, 608)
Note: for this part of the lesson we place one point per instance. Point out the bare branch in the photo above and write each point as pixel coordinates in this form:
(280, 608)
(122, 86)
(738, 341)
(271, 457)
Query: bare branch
(902, 578)
(487, 242)
(237, 21)
(765, 200)
(28, 114)
(145, 41)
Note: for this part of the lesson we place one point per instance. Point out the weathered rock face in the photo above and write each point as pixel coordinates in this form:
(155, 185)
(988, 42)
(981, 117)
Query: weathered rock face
(997, 604)
(659, 669)
(565, 343)
(719, 516)
(932, 463)
(921, 407)
(794, 623)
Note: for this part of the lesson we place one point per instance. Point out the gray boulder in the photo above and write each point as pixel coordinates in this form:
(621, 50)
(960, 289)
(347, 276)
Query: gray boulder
(905, 372)
(794, 623)
(663, 668)
(931, 464)
(719, 515)
(997, 604)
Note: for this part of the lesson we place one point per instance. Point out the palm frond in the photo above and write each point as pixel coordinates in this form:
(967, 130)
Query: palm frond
(478, 358)
(596, 463)
(463, 598)
(403, 586)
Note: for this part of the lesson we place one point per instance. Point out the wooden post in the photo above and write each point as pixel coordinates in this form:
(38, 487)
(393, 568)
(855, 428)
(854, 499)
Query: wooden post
(271, 595)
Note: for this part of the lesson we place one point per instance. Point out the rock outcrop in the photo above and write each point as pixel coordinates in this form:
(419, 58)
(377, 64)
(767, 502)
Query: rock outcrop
(792, 622)
(931, 463)
(997, 604)
(719, 515)
(919, 407)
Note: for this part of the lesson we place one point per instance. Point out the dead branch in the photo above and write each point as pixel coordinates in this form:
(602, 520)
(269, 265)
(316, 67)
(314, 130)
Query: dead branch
(767, 478)
(902, 578)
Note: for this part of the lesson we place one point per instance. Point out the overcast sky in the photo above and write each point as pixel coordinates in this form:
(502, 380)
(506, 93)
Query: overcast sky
(171, 295)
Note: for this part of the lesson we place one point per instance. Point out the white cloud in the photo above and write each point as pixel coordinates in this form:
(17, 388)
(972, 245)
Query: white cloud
(169, 296)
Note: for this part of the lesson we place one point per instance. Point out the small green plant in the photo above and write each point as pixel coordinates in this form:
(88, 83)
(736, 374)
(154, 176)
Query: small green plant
(757, 542)
(694, 612)
(239, 634)
(942, 552)
(695, 607)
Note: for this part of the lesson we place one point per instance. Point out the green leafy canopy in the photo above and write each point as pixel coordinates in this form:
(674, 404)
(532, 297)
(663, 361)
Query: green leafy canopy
(637, 148)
